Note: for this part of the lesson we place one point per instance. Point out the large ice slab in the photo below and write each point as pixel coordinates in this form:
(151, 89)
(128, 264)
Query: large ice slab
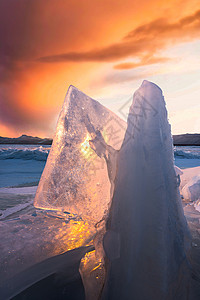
(147, 237)
(77, 177)
(31, 239)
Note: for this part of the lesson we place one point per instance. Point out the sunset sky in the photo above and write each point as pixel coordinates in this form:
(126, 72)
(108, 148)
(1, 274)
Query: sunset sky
(105, 48)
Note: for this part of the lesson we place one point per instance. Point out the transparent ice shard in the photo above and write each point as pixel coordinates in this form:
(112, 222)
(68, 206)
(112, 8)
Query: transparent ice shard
(78, 177)
(147, 237)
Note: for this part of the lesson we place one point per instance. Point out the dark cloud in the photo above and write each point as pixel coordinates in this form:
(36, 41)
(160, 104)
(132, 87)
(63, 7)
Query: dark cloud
(107, 54)
(162, 28)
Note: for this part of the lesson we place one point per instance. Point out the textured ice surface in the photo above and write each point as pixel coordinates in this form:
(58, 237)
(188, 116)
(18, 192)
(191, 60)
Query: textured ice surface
(74, 191)
(191, 191)
(30, 239)
(178, 171)
(147, 236)
(77, 177)
(190, 186)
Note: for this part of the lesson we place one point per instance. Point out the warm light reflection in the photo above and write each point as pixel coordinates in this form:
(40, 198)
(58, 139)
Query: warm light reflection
(85, 147)
(87, 258)
(90, 263)
(105, 136)
(59, 133)
(75, 234)
(93, 274)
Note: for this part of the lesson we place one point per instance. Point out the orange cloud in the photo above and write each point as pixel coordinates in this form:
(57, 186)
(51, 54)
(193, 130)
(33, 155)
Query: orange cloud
(143, 40)
(90, 34)
(179, 29)
(147, 60)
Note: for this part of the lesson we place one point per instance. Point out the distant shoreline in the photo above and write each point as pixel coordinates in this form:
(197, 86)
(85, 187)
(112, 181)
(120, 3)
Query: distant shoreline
(187, 139)
(178, 140)
(26, 143)
(25, 140)
(186, 144)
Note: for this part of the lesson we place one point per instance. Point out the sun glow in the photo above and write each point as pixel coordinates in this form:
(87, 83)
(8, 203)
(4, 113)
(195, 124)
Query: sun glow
(85, 147)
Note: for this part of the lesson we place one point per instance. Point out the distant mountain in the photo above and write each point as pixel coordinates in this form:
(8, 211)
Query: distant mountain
(179, 140)
(187, 139)
(25, 139)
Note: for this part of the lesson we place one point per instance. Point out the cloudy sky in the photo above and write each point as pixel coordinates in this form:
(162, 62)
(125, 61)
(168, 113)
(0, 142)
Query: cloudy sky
(103, 47)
